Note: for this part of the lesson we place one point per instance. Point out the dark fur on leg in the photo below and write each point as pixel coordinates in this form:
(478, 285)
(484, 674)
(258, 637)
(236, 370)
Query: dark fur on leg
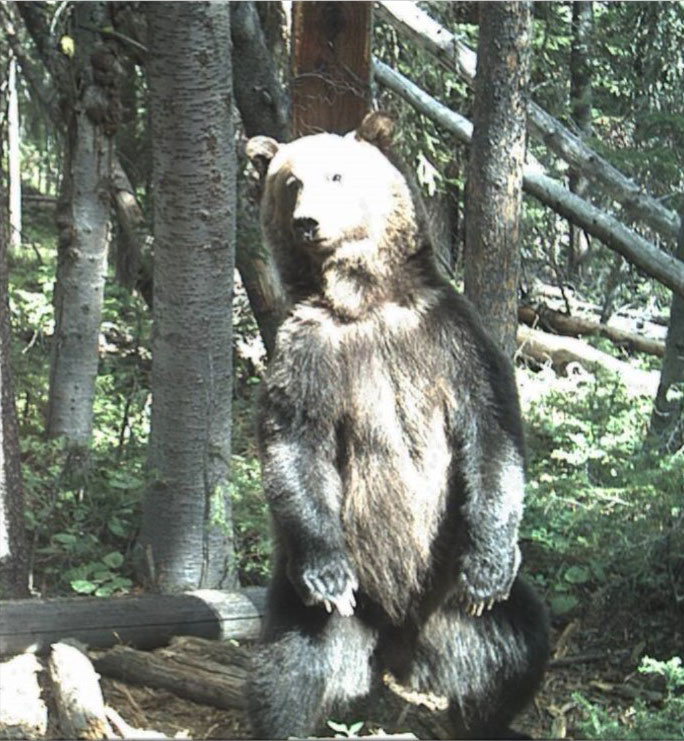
(309, 661)
(490, 666)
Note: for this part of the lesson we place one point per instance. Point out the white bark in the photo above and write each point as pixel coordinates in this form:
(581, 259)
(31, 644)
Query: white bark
(186, 532)
(13, 157)
(637, 250)
(82, 256)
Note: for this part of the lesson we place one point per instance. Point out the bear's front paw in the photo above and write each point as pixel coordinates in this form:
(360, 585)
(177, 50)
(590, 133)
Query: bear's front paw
(330, 581)
(484, 580)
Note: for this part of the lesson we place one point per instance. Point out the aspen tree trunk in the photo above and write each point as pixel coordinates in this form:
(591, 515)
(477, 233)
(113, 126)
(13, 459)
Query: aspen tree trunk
(497, 153)
(13, 156)
(13, 546)
(83, 221)
(580, 106)
(186, 537)
(667, 421)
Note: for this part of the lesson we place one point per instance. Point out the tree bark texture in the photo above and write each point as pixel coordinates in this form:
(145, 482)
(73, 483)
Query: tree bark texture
(580, 107)
(455, 55)
(638, 251)
(143, 621)
(83, 220)
(13, 546)
(497, 156)
(259, 94)
(77, 694)
(187, 531)
(331, 53)
(264, 109)
(667, 421)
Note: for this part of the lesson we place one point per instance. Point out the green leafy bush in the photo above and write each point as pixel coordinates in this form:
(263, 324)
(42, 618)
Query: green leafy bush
(640, 720)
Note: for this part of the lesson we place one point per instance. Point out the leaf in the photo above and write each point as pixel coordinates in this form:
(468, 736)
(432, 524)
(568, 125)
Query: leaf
(67, 46)
(83, 586)
(113, 560)
(562, 603)
(65, 538)
(577, 575)
(115, 527)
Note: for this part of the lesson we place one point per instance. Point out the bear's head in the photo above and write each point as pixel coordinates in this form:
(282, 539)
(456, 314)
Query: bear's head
(334, 205)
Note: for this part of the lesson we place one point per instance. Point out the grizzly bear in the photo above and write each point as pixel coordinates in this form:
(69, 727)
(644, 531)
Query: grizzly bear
(391, 447)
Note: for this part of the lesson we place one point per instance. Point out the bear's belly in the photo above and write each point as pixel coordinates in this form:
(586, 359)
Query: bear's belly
(395, 471)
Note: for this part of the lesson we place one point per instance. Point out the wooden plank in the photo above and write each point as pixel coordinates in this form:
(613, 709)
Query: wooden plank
(144, 621)
(331, 66)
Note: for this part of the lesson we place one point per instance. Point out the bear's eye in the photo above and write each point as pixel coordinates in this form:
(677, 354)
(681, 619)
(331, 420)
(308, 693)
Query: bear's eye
(336, 178)
(291, 182)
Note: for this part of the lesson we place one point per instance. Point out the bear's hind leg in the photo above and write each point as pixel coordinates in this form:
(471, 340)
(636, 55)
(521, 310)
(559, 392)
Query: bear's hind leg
(489, 667)
(298, 675)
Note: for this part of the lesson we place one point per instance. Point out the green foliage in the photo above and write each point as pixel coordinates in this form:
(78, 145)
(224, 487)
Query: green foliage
(604, 512)
(250, 520)
(640, 720)
(342, 730)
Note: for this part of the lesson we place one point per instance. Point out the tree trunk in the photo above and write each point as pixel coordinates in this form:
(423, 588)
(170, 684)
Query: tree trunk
(83, 220)
(331, 53)
(641, 253)
(263, 106)
(187, 530)
(13, 156)
(13, 546)
(497, 155)
(667, 421)
(580, 107)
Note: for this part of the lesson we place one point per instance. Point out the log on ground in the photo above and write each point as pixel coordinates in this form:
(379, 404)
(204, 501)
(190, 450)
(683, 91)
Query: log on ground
(562, 351)
(77, 694)
(145, 621)
(574, 326)
(207, 672)
(23, 713)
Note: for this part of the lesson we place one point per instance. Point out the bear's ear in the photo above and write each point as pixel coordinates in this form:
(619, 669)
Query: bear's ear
(260, 150)
(376, 128)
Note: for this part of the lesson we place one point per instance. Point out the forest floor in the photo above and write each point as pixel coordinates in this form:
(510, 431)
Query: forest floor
(594, 654)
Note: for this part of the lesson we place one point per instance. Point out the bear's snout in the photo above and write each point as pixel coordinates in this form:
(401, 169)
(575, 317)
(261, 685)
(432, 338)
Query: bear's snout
(306, 229)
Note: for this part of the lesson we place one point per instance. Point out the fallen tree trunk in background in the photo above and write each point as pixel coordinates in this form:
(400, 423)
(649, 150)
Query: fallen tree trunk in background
(641, 253)
(562, 351)
(573, 326)
(456, 56)
(143, 621)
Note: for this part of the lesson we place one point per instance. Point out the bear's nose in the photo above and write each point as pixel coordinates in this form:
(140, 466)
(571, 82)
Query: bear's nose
(305, 228)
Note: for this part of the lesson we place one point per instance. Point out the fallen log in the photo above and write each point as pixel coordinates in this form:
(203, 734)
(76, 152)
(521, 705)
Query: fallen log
(145, 620)
(77, 695)
(561, 351)
(619, 238)
(574, 326)
(23, 713)
(457, 56)
(211, 673)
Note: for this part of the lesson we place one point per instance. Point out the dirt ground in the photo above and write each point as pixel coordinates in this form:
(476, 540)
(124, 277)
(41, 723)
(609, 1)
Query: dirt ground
(595, 654)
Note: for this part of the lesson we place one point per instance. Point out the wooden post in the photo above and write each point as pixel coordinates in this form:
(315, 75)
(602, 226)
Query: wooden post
(331, 66)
